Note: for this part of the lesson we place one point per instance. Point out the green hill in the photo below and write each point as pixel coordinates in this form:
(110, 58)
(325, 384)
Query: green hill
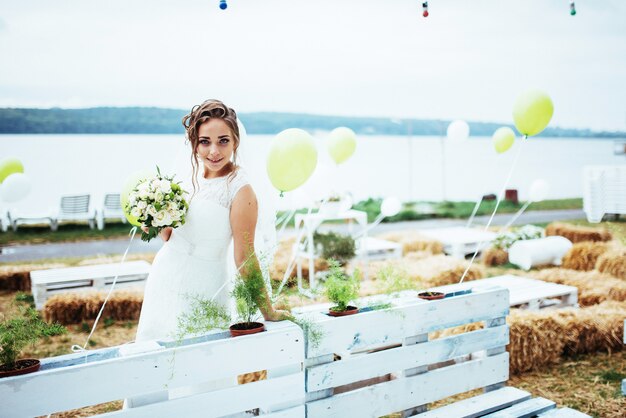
(153, 120)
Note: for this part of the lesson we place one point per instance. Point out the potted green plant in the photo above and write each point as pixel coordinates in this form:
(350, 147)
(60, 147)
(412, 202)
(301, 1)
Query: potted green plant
(341, 288)
(249, 300)
(16, 332)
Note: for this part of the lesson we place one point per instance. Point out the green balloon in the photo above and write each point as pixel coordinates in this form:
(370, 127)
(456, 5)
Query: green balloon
(292, 159)
(10, 166)
(503, 139)
(341, 144)
(532, 112)
(129, 184)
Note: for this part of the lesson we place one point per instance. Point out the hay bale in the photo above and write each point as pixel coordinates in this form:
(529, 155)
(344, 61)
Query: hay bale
(72, 308)
(495, 257)
(541, 338)
(535, 340)
(576, 233)
(413, 241)
(436, 270)
(593, 286)
(17, 277)
(613, 262)
(584, 255)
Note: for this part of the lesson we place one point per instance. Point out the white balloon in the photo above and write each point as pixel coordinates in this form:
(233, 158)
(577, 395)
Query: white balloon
(539, 190)
(390, 206)
(458, 130)
(15, 187)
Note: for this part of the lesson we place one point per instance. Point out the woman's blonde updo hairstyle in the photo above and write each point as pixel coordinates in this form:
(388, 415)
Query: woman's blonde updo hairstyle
(202, 113)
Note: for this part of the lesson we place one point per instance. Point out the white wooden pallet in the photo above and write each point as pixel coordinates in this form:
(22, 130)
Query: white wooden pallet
(524, 292)
(79, 380)
(366, 365)
(96, 277)
(459, 241)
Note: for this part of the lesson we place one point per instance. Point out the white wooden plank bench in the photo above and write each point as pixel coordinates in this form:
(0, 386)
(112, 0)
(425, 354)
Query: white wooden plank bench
(76, 381)
(524, 292)
(98, 277)
(366, 365)
(382, 361)
(459, 241)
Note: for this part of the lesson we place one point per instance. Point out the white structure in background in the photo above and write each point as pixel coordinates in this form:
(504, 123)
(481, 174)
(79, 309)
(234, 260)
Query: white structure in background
(604, 191)
(534, 252)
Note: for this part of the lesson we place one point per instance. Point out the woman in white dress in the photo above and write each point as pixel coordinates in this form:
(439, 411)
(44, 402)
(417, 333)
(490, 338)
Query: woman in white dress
(222, 206)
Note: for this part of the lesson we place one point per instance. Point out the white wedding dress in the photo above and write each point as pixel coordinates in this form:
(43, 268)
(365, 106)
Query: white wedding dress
(197, 260)
(194, 261)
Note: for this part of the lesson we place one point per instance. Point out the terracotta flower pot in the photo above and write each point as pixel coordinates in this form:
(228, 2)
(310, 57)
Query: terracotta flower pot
(431, 295)
(350, 310)
(27, 365)
(246, 328)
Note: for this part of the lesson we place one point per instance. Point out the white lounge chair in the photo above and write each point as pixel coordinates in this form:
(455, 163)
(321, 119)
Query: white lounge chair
(17, 218)
(111, 209)
(76, 208)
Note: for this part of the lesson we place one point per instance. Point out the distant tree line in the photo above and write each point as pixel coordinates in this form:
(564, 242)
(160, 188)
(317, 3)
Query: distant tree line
(153, 120)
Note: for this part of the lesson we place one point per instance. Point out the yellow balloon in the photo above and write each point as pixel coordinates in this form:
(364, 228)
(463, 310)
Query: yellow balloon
(292, 159)
(129, 185)
(341, 144)
(10, 166)
(503, 139)
(532, 112)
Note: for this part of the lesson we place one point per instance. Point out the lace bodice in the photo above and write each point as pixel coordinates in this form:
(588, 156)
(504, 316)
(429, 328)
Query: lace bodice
(221, 190)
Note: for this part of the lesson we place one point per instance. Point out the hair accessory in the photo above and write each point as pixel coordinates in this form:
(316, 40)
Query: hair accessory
(425, 8)
(223, 4)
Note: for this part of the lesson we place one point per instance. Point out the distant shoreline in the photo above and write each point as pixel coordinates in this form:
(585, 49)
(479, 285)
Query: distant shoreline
(152, 120)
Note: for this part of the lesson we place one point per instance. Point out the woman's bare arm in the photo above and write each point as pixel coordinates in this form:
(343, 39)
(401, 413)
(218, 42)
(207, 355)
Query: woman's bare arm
(243, 219)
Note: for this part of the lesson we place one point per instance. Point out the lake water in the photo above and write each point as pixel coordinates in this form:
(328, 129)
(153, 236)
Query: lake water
(411, 169)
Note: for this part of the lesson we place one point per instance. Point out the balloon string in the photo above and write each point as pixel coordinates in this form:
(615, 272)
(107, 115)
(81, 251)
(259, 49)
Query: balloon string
(294, 254)
(495, 209)
(76, 348)
(471, 218)
(517, 215)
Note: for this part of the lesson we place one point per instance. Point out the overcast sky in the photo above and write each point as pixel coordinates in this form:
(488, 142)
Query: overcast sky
(468, 60)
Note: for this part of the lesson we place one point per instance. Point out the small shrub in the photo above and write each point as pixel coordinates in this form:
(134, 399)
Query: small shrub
(341, 288)
(336, 246)
(205, 315)
(25, 328)
(249, 293)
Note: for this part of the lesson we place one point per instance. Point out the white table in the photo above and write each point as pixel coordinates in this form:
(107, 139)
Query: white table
(460, 241)
(96, 277)
(523, 292)
(309, 223)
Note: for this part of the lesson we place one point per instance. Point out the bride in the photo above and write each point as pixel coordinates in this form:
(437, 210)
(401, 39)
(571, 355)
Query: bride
(222, 207)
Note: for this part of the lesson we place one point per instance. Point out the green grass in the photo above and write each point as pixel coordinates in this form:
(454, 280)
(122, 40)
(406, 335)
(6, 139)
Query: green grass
(65, 233)
(410, 212)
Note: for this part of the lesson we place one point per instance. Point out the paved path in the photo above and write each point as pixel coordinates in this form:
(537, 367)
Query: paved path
(118, 246)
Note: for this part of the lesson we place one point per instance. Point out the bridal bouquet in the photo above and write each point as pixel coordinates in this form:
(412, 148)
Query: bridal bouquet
(157, 203)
